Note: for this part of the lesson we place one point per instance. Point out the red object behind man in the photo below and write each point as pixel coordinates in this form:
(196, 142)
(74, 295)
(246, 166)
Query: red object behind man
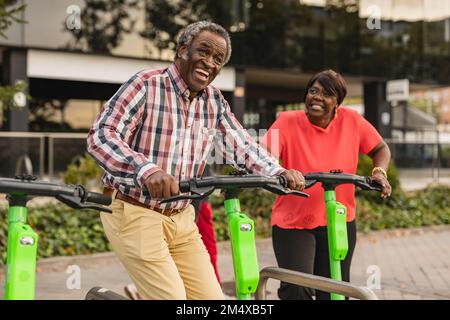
(205, 226)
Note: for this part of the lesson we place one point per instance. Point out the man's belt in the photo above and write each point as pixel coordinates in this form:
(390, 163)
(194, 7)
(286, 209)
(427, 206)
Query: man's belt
(130, 200)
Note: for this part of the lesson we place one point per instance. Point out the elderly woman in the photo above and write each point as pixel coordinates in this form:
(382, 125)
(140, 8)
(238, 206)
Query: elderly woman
(324, 137)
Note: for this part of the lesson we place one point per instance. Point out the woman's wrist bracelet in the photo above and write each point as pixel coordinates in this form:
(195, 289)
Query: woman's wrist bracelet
(379, 169)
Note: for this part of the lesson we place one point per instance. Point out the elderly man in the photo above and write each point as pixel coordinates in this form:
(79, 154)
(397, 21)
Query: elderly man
(154, 132)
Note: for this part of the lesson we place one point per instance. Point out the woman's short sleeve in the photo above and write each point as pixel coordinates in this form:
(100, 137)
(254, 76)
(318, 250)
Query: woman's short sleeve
(369, 137)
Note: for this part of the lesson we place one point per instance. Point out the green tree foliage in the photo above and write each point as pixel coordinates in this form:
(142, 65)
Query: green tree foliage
(166, 18)
(62, 231)
(103, 25)
(7, 94)
(290, 34)
(9, 13)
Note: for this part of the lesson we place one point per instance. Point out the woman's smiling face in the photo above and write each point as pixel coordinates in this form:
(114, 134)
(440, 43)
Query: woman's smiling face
(320, 102)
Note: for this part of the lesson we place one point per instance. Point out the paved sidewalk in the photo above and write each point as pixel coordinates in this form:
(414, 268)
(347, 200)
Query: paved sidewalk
(414, 264)
(416, 179)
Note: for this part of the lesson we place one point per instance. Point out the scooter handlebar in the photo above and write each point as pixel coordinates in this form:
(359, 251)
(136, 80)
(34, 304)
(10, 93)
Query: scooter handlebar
(75, 196)
(202, 187)
(98, 198)
(334, 179)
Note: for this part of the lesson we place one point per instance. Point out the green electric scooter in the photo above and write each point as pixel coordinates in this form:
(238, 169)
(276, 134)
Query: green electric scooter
(337, 215)
(240, 227)
(22, 243)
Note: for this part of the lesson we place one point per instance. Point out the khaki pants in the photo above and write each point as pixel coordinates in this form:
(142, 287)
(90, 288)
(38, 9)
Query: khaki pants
(164, 256)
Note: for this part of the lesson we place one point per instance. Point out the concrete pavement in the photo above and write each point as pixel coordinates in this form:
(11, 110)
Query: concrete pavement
(416, 179)
(411, 264)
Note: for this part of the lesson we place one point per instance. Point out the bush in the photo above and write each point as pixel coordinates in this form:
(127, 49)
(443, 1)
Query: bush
(430, 206)
(62, 231)
(65, 231)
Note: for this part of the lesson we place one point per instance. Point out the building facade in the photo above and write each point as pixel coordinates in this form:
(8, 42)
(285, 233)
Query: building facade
(74, 55)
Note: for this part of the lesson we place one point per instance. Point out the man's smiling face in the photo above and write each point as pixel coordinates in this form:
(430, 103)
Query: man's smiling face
(201, 62)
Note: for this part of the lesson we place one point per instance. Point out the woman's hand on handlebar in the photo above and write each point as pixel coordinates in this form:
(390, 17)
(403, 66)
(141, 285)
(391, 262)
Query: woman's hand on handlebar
(295, 179)
(383, 181)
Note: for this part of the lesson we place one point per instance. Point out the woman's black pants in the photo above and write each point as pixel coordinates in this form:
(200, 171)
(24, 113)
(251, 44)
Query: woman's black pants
(306, 250)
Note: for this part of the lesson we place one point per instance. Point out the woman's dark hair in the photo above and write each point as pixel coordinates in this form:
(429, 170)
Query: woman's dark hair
(332, 82)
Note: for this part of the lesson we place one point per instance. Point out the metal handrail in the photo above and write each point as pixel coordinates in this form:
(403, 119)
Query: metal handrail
(311, 281)
(42, 136)
(58, 135)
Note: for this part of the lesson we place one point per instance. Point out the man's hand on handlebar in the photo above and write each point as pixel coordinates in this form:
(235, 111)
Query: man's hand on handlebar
(295, 179)
(383, 181)
(162, 185)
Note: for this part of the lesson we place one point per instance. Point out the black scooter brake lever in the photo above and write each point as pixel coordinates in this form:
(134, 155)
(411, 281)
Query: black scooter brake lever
(310, 183)
(182, 197)
(198, 194)
(284, 192)
(297, 193)
(76, 204)
(373, 185)
(369, 184)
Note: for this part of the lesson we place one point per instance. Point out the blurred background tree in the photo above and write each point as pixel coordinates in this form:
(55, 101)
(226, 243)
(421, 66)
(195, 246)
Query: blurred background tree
(285, 31)
(103, 25)
(9, 98)
(10, 10)
(9, 13)
(164, 19)
(43, 112)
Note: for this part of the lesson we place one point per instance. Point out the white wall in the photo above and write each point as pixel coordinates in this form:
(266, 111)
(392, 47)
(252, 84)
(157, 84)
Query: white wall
(98, 68)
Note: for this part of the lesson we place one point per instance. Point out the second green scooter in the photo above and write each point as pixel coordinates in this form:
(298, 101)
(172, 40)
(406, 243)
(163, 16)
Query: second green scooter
(337, 215)
(241, 228)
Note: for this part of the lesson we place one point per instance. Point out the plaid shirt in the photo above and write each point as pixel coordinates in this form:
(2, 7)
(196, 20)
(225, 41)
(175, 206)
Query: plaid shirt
(150, 125)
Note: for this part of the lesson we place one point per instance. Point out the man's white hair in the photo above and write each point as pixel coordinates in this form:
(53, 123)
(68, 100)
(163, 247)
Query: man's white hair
(188, 34)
